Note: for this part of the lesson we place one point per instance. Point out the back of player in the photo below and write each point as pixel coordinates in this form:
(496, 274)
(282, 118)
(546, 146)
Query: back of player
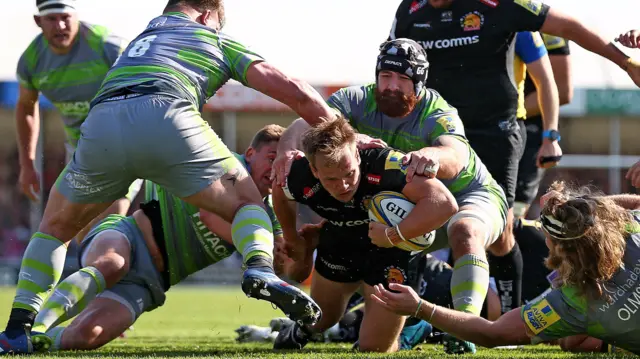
(177, 57)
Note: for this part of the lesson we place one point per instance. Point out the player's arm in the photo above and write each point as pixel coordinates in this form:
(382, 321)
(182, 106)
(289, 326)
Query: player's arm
(285, 209)
(568, 27)
(28, 128)
(434, 205)
(452, 155)
(559, 56)
(295, 93)
(626, 201)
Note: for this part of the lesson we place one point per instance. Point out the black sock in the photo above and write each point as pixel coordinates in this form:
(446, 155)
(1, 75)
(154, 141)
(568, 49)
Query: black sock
(20, 319)
(507, 270)
(260, 262)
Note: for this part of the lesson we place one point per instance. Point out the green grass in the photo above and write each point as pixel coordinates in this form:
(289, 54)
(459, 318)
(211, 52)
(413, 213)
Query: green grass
(199, 323)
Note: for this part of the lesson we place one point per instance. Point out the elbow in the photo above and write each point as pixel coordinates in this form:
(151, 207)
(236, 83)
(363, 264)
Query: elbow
(565, 96)
(452, 206)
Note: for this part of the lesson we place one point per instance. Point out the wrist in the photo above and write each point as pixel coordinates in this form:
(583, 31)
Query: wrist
(393, 235)
(551, 135)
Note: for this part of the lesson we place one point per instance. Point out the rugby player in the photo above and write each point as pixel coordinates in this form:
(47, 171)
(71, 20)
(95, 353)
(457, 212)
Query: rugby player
(145, 122)
(337, 181)
(470, 48)
(137, 259)
(594, 245)
(402, 112)
(66, 63)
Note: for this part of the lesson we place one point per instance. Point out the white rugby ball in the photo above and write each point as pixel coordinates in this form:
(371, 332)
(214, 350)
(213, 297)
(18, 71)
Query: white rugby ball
(391, 208)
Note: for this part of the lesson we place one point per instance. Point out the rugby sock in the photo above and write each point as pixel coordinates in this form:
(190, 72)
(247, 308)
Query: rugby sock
(69, 298)
(469, 283)
(42, 265)
(56, 335)
(507, 270)
(252, 233)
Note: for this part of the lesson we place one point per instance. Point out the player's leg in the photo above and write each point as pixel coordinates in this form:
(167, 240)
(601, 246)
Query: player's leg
(501, 149)
(529, 175)
(105, 259)
(380, 328)
(476, 226)
(197, 167)
(87, 186)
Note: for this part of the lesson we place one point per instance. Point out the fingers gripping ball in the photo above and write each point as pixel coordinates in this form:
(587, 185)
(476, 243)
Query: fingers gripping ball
(391, 208)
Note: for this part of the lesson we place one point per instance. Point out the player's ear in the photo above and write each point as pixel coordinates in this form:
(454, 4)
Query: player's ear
(249, 153)
(36, 19)
(205, 18)
(314, 170)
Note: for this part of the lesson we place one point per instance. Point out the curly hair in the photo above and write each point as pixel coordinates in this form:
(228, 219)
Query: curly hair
(592, 244)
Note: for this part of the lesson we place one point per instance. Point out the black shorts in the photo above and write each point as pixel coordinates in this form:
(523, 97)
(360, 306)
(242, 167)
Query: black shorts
(500, 148)
(534, 251)
(529, 175)
(342, 258)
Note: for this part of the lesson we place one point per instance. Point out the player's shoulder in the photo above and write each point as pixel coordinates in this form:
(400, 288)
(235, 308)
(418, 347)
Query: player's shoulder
(93, 31)
(379, 160)
(300, 176)
(357, 92)
(34, 51)
(435, 103)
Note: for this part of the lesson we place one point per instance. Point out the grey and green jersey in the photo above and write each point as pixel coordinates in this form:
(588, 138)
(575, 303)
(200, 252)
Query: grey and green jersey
(431, 118)
(178, 57)
(71, 80)
(564, 312)
(189, 244)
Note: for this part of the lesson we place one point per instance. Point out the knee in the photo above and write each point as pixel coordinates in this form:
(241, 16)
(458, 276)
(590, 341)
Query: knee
(112, 266)
(467, 236)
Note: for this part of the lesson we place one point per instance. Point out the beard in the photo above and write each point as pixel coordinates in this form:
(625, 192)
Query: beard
(395, 103)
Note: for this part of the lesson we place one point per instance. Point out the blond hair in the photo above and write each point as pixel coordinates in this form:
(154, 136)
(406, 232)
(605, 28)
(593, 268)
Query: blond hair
(589, 243)
(327, 139)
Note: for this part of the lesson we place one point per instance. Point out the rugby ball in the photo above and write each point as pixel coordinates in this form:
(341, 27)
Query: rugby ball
(391, 208)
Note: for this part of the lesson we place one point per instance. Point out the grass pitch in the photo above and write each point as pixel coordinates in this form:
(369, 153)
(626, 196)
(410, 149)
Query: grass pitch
(199, 322)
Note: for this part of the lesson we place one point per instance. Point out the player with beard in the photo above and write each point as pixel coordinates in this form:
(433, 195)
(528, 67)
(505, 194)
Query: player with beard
(401, 111)
(470, 44)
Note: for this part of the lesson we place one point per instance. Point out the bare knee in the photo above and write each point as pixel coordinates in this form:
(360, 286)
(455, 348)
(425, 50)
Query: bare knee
(376, 347)
(506, 241)
(110, 254)
(60, 226)
(466, 236)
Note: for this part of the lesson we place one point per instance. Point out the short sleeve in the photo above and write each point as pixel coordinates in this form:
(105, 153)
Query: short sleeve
(523, 15)
(384, 168)
(24, 74)
(298, 175)
(238, 58)
(530, 47)
(401, 22)
(277, 228)
(556, 45)
(559, 314)
(351, 102)
(114, 46)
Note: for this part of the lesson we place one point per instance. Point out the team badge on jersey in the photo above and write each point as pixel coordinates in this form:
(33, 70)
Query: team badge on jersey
(447, 123)
(472, 21)
(539, 316)
(534, 6)
(395, 275)
(394, 162)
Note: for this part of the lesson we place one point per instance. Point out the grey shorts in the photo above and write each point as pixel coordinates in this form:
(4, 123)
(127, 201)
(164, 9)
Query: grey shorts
(134, 188)
(152, 137)
(487, 204)
(141, 290)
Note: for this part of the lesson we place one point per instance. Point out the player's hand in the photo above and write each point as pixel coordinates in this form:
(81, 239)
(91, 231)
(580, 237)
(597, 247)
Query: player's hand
(282, 165)
(311, 234)
(630, 39)
(633, 175)
(549, 154)
(377, 235)
(364, 142)
(421, 163)
(29, 182)
(404, 302)
(633, 70)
